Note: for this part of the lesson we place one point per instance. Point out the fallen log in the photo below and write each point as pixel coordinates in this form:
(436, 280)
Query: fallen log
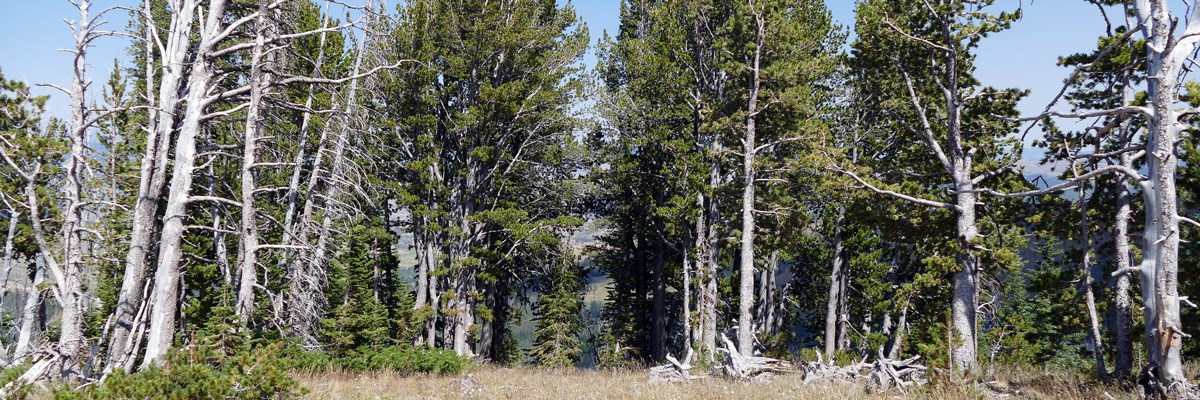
(751, 368)
(881, 376)
(675, 371)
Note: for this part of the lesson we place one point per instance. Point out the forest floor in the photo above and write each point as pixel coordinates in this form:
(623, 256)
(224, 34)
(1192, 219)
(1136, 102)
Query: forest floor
(505, 383)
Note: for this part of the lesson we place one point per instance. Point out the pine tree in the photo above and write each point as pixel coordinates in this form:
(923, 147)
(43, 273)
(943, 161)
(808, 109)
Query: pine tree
(557, 312)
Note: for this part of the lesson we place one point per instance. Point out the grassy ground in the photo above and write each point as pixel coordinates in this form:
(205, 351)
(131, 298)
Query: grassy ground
(503, 383)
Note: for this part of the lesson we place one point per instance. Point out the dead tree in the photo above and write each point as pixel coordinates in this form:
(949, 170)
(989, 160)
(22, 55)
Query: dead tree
(68, 275)
(161, 117)
(165, 298)
(249, 227)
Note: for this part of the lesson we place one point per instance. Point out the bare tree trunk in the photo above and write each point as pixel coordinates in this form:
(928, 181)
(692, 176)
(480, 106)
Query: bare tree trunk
(71, 340)
(708, 292)
(746, 287)
(422, 298)
(896, 340)
(962, 311)
(249, 234)
(1123, 302)
(166, 279)
(765, 312)
(688, 337)
(434, 294)
(13, 217)
(220, 247)
(303, 323)
(1094, 334)
(152, 173)
(26, 334)
(1166, 54)
(342, 122)
(309, 274)
(965, 303)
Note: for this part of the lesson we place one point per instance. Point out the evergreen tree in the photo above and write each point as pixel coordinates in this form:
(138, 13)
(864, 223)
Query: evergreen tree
(557, 312)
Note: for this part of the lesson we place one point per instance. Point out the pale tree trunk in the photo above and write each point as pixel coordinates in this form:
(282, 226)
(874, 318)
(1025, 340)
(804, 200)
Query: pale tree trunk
(26, 333)
(303, 323)
(216, 211)
(1123, 302)
(708, 292)
(746, 287)
(422, 289)
(966, 286)
(152, 175)
(896, 339)
(68, 278)
(1094, 335)
(767, 291)
(965, 302)
(74, 304)
(62, 359)
(308, 274)
(688, 336)
(1166, 55)
(434, 294)
(244, 307)
(342, 122)
(463, 281)
(167, 279)
(13, 217)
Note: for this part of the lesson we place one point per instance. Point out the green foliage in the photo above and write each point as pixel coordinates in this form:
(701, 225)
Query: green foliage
(610, 354)
(201, 371)
(360, 322)
(558, 313)
(393, 359)
(19, 390)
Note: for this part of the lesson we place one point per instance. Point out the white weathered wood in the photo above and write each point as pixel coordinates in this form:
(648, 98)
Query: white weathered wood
(166, 277)
(745, 333)
(161, 117)
(247, 281)
(26, 335)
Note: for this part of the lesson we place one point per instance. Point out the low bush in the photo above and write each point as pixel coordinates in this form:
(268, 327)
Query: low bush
(200, 372)
(19, 390)
(395, 359)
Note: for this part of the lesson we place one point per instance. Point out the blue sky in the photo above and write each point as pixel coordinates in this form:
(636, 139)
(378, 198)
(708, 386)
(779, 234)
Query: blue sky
(1022, 57)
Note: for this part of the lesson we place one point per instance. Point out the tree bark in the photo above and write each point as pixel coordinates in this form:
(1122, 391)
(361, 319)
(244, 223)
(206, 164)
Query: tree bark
(1166, 54)
(247, 281)
(167, 279)
(152, 174)
(834, 306)
(26, 335)
(708, 292)
(1087, 282)
(658, 307)
(13, 217)
(303, 323)
(746, 287)
(74, 304)
(1123, 302)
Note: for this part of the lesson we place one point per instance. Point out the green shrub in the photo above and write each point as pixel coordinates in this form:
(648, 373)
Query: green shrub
(200, 372)
(396, 359)
(12, 373)
(19, 390)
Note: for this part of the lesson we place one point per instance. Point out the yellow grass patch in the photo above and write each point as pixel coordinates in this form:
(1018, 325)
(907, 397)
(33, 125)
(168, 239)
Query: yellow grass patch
(528, 384)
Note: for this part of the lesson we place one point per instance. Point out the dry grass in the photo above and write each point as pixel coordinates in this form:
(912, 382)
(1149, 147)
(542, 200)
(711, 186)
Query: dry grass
(538, 384)
(527, 384)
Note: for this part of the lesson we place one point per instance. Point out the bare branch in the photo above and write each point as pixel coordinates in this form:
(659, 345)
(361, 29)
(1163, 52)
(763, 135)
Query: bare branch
(898, 195)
